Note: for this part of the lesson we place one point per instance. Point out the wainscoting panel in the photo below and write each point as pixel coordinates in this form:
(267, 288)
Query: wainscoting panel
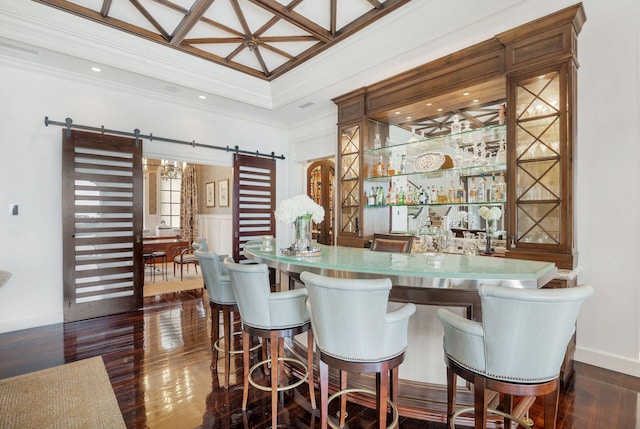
(217, 229)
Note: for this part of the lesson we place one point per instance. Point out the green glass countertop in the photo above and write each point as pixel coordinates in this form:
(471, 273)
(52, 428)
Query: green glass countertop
(409, 265)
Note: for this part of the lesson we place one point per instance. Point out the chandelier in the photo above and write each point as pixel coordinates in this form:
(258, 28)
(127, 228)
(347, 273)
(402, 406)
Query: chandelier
(168, 171)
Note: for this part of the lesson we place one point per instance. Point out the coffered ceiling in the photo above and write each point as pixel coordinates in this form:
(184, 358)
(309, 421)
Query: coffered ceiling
(262, 38)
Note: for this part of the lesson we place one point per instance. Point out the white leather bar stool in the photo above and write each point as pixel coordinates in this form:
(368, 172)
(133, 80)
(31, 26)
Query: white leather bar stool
(355, 333)
(516, 350)
(273, 316)
(221, 300)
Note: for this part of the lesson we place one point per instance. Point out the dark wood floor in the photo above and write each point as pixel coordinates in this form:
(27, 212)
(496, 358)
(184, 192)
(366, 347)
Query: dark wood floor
(159, 362)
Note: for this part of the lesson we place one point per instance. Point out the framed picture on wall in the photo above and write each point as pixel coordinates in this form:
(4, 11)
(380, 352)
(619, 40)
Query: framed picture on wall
(223, 193)
(211, 194)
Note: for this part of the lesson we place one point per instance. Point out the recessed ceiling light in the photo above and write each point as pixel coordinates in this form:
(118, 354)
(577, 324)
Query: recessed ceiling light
(429, 104)
(397, 113)
(439, 109)
(475, 100)
(96, 69)
(202, 97)
(466, 93)
(408, 118)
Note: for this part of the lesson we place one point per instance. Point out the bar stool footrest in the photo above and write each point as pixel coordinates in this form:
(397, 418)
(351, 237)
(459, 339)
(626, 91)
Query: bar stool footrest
(280, 388)
(525, 424)
(216, 346)
(394, 408)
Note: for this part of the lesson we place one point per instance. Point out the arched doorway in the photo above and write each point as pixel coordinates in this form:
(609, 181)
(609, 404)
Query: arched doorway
(320, 188)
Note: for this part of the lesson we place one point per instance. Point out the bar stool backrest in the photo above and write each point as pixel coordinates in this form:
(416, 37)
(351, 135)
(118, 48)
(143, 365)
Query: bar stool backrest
(350, 320)
(526, 331)
(251, 286)
(216, 278)
(523, 335)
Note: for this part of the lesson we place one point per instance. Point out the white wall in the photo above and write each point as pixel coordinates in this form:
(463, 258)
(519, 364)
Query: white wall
(30, 168)
(608, 197)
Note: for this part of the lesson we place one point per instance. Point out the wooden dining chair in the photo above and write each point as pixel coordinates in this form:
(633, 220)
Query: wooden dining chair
(399, 243)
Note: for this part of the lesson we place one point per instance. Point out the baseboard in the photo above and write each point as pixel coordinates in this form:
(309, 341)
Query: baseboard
(31, 322)
(608, 361)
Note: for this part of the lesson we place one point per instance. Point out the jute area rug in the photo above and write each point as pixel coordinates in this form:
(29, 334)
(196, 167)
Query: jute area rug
(190, 280)
(75, 395)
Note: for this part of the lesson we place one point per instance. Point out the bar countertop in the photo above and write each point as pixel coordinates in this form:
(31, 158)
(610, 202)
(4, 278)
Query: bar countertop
(410, 269)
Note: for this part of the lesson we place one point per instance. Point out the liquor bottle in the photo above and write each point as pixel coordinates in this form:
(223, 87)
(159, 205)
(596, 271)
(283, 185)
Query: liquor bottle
(491, 189)
(467, 138)
(379, 170)
(409, 197)
(366, 197)
(403, 165)
(451, 194)
(442, 196)
(482, 189)
(380, 198)
(461, 196)
(401, 196)
(501, 189)
(473, 192)
(372, 198)
(433, 198)
(391, 169)
(422, 196)
(377, 142)
(456, 126)
(392, 195)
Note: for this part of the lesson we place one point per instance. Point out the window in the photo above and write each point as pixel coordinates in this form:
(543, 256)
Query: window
(170, 202)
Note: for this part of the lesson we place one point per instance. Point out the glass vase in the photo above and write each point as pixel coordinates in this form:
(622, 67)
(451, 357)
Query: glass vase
(302, 226)
(491, 227)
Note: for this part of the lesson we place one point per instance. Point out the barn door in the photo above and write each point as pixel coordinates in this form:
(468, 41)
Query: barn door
(254, 198)
(102, 224)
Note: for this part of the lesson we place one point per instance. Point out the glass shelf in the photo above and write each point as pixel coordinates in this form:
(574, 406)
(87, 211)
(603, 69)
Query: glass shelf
(463, 171)
(486, 203)
(492, 133)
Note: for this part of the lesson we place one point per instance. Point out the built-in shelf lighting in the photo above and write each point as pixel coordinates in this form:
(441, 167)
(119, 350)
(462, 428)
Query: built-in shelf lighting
(96, 69)
(202, 97)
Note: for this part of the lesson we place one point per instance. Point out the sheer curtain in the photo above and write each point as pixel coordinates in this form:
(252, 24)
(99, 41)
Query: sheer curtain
(189, 204)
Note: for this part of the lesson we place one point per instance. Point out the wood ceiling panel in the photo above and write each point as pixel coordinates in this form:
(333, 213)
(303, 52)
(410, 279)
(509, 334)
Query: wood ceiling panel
(267, 38)
(481, 106)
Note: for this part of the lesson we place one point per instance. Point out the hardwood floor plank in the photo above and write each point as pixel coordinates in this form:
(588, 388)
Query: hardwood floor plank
(159, 363)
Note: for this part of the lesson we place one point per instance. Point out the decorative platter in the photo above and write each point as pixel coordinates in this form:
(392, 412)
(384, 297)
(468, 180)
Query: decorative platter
(310, 251)
(429, 161)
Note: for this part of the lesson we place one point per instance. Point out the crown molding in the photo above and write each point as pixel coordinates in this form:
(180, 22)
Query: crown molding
(40, 26)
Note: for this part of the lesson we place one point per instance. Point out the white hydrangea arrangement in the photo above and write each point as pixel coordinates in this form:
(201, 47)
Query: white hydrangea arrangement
(490, 214)
(299, 206)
